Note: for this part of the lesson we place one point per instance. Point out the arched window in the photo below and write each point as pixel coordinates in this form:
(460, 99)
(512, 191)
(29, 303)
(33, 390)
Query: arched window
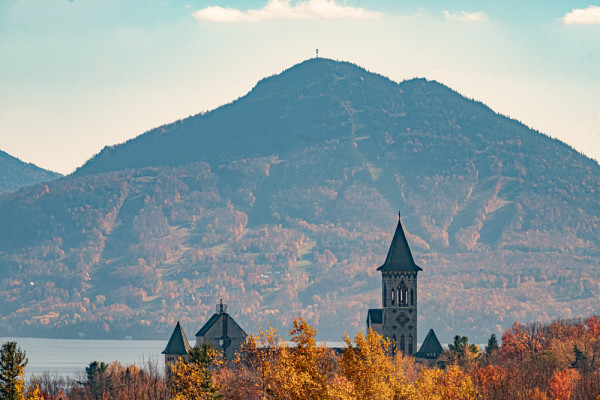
(393, 295)
(412, 302)
(402, 293)
(401, 343)
(410, 345)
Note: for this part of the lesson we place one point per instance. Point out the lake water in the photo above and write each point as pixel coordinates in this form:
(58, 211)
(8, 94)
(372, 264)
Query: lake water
(69, 357)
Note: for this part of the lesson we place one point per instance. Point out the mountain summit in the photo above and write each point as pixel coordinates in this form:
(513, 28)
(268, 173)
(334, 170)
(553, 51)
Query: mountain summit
(310, 103)
(284, 203)
(308, 100)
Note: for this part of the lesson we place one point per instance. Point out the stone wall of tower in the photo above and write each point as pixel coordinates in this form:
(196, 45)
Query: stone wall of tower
(399, 292)
(172, 359)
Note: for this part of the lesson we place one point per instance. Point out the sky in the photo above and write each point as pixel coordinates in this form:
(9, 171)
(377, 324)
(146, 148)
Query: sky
(79, 75)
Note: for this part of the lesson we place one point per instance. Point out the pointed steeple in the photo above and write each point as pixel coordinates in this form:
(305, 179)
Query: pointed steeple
(431, 347)
(178, 343)
(399, 257)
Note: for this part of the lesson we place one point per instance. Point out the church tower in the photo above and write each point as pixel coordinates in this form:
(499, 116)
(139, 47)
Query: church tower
(178, 347)
(397, 319)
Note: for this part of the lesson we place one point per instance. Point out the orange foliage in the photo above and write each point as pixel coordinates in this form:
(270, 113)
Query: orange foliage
(521, 341)
(562, 382)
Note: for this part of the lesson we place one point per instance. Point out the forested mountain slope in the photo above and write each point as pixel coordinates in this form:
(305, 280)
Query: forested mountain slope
(14, 173)
(284, 203)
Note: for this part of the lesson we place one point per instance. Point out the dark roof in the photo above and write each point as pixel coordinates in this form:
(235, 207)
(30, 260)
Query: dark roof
(213, 320)
(431, 347)
(399, 257)
(209, 324)
(178, 343)
(375, 316)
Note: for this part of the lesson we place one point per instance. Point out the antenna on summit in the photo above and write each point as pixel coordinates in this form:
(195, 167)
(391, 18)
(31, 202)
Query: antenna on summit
(317, 51)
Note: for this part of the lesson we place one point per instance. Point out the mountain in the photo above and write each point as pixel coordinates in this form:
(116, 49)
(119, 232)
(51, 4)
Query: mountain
(16, 174)
(284, 203)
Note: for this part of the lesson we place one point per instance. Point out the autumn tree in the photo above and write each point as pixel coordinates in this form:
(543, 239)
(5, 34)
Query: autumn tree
(370, 370)
(522, 341)
(260, 355)
(238, 383)
(302, 371)
(52, 384)
(450, 384)
(34, 393)
(309, 364)
(562, 383)
(192, 378)
(12, 371)
(493, 382)
(114, 381)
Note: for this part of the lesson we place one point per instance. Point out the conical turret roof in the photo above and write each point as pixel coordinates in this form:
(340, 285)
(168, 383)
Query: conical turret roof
(178, 343)
(399, 257)
(431, 347)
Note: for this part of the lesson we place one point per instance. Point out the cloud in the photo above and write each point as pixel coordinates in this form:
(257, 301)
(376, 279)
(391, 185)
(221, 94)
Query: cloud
(466, 16)
(585, 16)
(283, 9)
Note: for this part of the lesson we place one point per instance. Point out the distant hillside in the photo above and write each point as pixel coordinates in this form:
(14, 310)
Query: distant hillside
(14, 173)
(284, 202)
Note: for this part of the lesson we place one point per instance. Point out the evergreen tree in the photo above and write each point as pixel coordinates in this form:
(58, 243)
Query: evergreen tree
(98, 382)
(12, 371)
(95, 369)
(461, 352)
(492, 347)
(582, 362)
(192, 379)
(203, 355)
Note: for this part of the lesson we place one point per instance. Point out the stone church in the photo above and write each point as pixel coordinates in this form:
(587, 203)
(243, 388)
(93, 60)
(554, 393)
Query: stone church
(221, 330)
(397, 319)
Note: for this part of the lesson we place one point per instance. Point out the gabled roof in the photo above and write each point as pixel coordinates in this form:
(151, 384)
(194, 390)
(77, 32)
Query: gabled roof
(178, 343)
(375, 316)
(213, 320)
(399, 257)
(209, 324)
(431, 347)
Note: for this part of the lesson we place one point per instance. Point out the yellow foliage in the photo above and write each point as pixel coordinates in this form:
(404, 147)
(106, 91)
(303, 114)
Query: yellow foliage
(300, 372)
(35, 394)
(191, 381)
(369, 371)
(451, 384)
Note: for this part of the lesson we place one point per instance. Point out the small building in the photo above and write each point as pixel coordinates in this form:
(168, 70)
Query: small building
(223, 333)
(430, 350)
(178, 347)
(375, 320)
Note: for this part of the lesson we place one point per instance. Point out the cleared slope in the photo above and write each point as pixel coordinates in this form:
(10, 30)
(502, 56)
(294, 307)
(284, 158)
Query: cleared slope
(284, 203)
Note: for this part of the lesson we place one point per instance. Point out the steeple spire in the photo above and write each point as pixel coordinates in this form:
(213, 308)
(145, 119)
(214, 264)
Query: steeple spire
(399, 257)
(178, 343)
